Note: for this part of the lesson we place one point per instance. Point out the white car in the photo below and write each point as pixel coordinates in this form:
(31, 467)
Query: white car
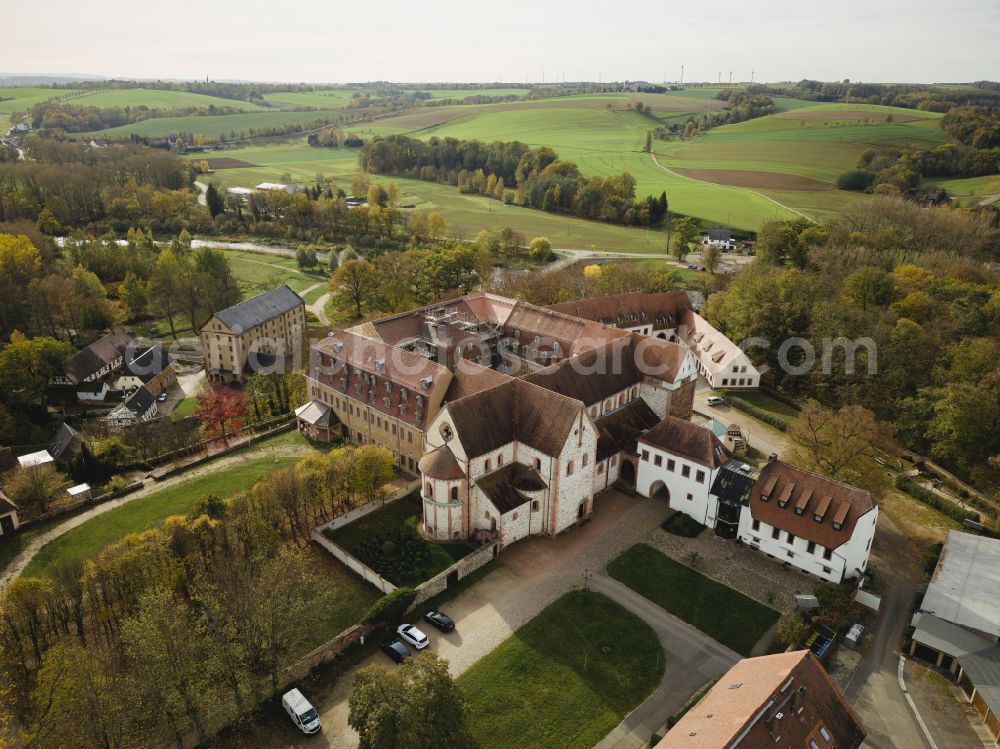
(409, 633)
(714, 400)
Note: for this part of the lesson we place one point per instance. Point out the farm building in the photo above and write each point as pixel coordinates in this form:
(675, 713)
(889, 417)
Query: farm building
(8, 516)
(784, 701)
(66, 443)
(957, 625)
(140, 406)
(277, 187)
(31, 460)
(257, 334)
(721, 238)
(151, 367)
(91, 370)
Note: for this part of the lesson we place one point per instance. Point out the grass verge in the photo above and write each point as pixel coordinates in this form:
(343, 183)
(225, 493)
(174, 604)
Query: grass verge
(565, 679)
(722, 613)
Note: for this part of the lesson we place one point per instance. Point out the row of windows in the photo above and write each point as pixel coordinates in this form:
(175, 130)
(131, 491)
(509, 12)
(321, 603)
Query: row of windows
(811, 546)
(733, 382)
(385, 424)
(609, 404)
(699, 476)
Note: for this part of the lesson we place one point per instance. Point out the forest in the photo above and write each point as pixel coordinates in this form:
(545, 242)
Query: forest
(515, 173)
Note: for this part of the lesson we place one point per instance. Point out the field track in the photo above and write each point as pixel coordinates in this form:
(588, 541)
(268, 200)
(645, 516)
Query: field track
(759, 194)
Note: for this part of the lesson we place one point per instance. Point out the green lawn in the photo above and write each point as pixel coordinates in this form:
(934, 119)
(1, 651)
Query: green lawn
(411, 559)
(565, 679)
(186, 407)
(352, 597)
(11, 546)
(765, 403)
(717, 610)
(86, 541)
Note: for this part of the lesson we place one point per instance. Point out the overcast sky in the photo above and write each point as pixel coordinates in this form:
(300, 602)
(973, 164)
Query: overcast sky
(466, 40)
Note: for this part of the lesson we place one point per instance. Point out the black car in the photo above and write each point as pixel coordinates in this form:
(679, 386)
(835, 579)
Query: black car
(440, 620)
(395, 650)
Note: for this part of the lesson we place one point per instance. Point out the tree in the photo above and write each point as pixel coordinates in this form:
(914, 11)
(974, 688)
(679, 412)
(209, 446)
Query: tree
(354, 286)
(134, 296)
(35, 486)
(417, 706)
(373, 468)
(841, 444)
(20, 263)
(710, 258)
(869, 287)
(214, 201)
(540, 249)
(359, 186)
(648, 148)
(685, 230)
(305, 258)
(164, 287)
(27, 365)
(792, 630)
(436, 226)
(221, 410)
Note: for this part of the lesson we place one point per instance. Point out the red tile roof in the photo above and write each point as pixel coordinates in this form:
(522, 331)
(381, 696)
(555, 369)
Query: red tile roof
(812, 495)
(688, 440)
(771, 702)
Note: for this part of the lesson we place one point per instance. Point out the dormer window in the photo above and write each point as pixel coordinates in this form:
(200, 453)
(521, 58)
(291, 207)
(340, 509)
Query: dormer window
(837, 526)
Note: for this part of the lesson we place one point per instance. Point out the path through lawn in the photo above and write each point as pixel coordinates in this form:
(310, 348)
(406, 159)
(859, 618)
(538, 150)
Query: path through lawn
(565, 679)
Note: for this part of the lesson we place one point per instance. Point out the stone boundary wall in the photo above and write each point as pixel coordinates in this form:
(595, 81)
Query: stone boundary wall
(463, 567)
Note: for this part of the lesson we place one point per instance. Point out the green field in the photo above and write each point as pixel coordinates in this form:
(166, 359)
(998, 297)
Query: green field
(722, 613)
(257, 273)
(972, 186)
(86, 540)
(776, 167)
(156, 99)
(23, 98)
(565, 679)
(212, 127)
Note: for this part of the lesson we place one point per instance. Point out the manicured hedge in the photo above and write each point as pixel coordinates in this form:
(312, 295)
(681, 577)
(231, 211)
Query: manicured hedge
(921, 494)
(758, 413)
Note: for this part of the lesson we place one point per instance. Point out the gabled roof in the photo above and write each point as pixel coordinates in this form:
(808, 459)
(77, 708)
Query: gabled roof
(662, 310)
(618, 431)
(770, 702)
(259, 309)
(6, 505)
(66, 443)
(720, 235)
(732, 485)
(470, 378)
(786, 484)
(505, 487)
(95, 357)
(515, 411)
(140, 401)
(35, 459)
(687, 440)
(441, 464)
(315, 413)
(147, 364)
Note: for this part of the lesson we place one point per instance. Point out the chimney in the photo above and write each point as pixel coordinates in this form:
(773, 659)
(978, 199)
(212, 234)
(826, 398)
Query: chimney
(772, 457)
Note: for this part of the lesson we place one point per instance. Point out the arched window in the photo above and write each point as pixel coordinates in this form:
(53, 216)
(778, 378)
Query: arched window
(621, 399)
(537, 463)
(499, 460)
(428, 491)
(569, 468)
(586, 459)
(487, 465)
(454, 494)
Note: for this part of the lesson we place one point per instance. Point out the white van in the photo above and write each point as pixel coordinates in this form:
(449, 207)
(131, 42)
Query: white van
(302, 713)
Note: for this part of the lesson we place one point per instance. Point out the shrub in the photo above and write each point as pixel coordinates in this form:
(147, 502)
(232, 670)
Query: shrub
(791, 629)
(390, 608)
(856, 179)
(921, 494)
(758, 413)
(682, 525)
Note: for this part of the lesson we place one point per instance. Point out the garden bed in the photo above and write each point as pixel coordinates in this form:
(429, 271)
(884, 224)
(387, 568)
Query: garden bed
(388, 541)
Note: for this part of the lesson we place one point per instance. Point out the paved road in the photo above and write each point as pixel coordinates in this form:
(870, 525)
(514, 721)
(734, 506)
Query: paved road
(760, 436)
(875, 692)
(692, 660)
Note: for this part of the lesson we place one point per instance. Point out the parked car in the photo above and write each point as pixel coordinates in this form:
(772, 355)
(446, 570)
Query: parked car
(410, 634)
(714, 400)
(440, 620)
(302, 713)
(395, 650)
(692, 266)
(162, 396)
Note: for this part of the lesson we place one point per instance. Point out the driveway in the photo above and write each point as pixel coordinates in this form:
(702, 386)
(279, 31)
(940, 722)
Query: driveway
(875, 693)
(759, 435)
(692, 659)
(528, 577)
